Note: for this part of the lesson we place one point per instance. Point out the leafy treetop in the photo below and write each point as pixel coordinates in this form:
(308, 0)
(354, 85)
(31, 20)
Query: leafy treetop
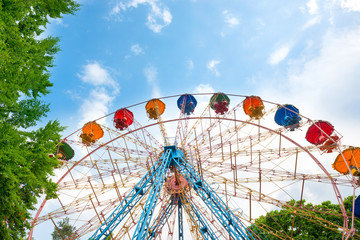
(25, 59)
(308, 221)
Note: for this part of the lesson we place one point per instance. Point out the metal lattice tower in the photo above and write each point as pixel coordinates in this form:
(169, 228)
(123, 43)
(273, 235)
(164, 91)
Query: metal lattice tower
(174, 160)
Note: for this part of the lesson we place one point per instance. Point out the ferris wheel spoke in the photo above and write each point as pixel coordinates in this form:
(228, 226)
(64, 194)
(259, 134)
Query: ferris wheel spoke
(194, 227)
(239, 190)
(230, 135)
(73, 209)
(218, 148)
(145, 136)
(167, 208)
(311, 216)
(230, 164)
(171, 226)
(122, 151)
(248, 148)
(131, 221)
(273, 231)
(187, 134)
(212, 133)
(89, 226)
(83, 203)
(84, 183)
(206, 128)
(135, 141)
(219, 230)
(272, 175)
(93, 223)
(180, 131)
(126, 174)
(253, 195)
(233, 186)
(205, 229)
(111, 165)
(308, 214)
(163, 131)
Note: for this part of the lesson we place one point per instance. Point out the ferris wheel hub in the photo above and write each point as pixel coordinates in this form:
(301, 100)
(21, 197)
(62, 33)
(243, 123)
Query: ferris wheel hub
(176, 185)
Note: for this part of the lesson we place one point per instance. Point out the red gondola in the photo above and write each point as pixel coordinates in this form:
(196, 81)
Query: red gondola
(123, 118)
(319, 132)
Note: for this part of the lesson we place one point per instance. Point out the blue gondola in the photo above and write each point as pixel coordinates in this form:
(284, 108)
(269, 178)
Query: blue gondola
(187, 103)
(288, 116)
(357, 207)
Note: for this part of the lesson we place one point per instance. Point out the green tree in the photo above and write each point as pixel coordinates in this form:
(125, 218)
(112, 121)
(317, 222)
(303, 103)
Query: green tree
(321, 221)
(25, 166)
(65, 229)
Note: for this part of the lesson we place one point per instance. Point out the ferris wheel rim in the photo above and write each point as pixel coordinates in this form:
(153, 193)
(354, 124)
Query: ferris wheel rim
(193, 118)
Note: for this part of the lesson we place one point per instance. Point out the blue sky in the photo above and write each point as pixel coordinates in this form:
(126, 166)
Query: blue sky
(117, 53)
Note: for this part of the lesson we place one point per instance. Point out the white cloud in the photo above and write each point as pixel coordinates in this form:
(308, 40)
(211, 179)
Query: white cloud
(190, 64)
(57, 21)
(95, 105)
(136, 49)
(150, 74)
(117, 8)
(102, 92)
(351, 5)
(230, 19)
(312, 7)
(327, 85)
(212, 66)
(94, 74)
(279, 55)
(157, 18)
(151, 77)
(311, 22)
(204, 88)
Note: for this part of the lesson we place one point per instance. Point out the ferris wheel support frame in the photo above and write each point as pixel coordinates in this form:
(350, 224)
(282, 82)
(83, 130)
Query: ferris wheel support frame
(175, 157)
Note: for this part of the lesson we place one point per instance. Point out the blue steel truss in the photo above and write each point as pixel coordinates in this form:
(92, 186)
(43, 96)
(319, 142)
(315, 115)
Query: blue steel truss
(154, 179)
(180, 220)
(144, 222)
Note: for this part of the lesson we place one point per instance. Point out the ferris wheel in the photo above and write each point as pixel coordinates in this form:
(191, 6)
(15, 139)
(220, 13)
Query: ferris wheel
(199, 166)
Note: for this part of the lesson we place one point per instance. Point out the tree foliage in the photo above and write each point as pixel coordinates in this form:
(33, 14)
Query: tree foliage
(322, 221)
(25, 166)
(65, 229)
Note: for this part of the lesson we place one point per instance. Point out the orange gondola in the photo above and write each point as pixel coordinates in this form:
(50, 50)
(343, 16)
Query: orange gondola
(155, 108)
(91, 132)
(350, 158)
(253, 107)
